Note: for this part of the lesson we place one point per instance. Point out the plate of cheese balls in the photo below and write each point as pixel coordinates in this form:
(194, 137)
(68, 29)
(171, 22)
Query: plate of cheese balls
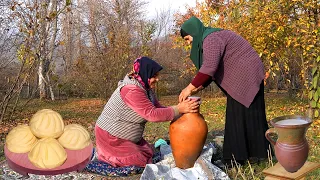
(46, 146)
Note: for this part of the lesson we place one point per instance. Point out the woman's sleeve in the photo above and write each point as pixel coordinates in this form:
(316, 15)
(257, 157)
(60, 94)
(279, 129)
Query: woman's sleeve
(137, 100)
(213, 49)
(201, 80)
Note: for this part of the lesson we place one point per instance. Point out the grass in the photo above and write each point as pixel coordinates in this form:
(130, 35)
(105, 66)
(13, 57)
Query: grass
(86, 111)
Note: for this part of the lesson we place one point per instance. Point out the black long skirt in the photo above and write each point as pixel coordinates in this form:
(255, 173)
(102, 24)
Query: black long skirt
(245, 129)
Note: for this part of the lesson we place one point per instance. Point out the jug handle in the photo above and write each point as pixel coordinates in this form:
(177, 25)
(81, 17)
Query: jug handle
(268, 132)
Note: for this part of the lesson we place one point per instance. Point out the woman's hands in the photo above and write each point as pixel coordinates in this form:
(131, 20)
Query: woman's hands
(189, 90)
(188, 106)
(186, 92)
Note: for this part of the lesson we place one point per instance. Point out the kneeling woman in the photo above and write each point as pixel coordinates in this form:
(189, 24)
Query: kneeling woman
(120, 126)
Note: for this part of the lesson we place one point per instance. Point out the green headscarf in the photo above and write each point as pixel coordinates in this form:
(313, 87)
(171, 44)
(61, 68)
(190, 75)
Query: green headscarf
(198, 31)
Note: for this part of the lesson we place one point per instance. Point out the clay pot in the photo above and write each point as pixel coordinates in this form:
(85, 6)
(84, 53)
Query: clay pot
(187, 138)
(291, 148)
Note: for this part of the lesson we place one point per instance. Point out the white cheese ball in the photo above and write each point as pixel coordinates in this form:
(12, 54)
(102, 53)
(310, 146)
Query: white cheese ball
(20, 139)
(46, 123)
(75, 137)
(47, 154)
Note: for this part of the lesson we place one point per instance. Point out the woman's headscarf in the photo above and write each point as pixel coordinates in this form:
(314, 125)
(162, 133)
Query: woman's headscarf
(144, 69)
(199, 32)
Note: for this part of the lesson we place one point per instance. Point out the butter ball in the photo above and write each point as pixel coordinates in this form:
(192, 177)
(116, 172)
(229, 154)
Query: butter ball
(75, 137)
(47, 154)
(46, 123)
(20, 139)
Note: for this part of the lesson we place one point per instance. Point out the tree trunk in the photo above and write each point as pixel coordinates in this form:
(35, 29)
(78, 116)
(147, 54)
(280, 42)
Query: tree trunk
(51, 48)
(46, 49)
(41, 81)
(42, 49)
(68, 33)
(50, 87)
(28, 90)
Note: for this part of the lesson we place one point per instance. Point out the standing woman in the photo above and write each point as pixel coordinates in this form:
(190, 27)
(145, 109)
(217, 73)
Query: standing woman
(230, 61)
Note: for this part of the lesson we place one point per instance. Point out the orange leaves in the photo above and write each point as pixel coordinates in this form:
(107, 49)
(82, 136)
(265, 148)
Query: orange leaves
(316, 123)
(315, 128)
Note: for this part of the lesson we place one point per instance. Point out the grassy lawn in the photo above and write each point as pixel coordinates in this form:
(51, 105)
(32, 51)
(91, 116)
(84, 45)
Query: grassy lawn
(86, 111)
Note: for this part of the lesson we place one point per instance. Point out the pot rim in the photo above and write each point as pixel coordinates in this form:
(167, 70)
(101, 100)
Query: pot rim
(197, 98)
(298, 117)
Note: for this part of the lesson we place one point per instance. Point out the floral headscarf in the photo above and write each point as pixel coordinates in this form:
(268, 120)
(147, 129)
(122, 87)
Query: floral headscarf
(144, 69)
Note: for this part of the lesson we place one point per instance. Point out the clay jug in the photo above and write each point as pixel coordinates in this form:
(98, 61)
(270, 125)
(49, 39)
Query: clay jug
(291, 147)
(187, 138)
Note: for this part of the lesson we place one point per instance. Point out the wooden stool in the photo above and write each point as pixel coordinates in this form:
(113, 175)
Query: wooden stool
(277, 172)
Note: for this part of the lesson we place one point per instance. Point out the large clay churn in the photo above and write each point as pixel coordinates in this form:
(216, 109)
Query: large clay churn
(187, 138)
(291, 147)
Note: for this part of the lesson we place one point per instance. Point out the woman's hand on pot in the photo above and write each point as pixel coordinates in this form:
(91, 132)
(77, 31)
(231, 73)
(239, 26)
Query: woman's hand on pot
(186, 92)
(188, 106)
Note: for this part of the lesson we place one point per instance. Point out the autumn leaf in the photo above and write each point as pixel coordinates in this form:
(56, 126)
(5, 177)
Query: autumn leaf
(316, 113)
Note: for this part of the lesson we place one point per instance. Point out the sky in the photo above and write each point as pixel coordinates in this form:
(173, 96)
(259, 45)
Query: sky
(174, 5)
